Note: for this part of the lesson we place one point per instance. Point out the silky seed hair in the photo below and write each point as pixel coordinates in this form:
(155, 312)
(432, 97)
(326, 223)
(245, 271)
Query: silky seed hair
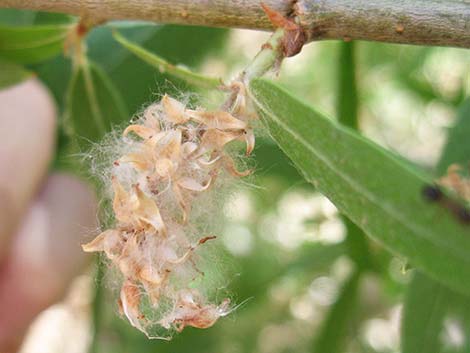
(163, 181)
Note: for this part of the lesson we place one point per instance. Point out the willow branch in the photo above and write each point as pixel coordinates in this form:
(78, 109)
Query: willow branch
(423, 22)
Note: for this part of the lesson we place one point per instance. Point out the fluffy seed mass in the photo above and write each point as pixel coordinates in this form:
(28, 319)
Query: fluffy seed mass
(174, 154)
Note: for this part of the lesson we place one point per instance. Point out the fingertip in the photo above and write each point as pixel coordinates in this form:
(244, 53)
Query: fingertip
(27, 130)
(45, 254)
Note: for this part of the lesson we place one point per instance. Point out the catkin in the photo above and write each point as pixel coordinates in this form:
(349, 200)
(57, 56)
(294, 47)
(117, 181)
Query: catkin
(175, 155)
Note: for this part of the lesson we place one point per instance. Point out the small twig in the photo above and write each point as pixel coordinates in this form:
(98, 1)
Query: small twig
(268, 57)
(165, 67)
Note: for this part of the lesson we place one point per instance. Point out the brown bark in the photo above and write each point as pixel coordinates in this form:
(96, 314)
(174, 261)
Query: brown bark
(423, 22)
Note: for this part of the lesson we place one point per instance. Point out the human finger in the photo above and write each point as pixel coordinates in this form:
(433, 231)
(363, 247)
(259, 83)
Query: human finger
(45, 254)
(27, 124)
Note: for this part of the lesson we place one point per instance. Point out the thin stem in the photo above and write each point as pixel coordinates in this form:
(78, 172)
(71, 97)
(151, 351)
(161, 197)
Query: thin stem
(347, 91)
(165, 67)
(268, 57)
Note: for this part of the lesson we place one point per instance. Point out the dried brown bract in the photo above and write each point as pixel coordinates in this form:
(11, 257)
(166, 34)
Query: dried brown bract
(295, 36)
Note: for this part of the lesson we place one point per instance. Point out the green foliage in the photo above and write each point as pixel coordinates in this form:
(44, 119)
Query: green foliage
(141, 83)
(425, 307)
(124, 76)
(165, 67)
(429, 303)
(21, 18)
(94, 105)
(372, 187)
(341, 322)
(27, 45)
(433, 315)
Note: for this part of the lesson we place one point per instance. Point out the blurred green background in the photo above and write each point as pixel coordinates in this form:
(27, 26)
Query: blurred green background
(283, 246)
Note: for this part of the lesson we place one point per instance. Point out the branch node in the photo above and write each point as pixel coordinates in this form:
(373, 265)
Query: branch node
(294, 35)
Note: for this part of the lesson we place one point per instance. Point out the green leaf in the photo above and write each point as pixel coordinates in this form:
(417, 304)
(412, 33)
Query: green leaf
(339, 324)
(14, 17)
(425, 306)
(11, 73)
(137, 83)
(270, 160)
(50, 18)
(347, 110)
(427, 302)
(429, 307)
(27, 45)
(21, 18)
(164, 66)
(55, 74)
(94, 105)
(378, 192)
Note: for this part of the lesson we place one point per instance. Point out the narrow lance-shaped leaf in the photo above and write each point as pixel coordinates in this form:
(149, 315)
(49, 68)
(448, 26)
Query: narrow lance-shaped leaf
(94, 106)
(382, 195)
(427, 302)
(432, 315)
(163, 66)
(347, 111)
(28, 45)
(425, 306)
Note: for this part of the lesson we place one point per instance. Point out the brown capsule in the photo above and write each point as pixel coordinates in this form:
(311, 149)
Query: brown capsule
(432, 193)
(294, 37)
(463, 215)
(293, 41)
(460, 212)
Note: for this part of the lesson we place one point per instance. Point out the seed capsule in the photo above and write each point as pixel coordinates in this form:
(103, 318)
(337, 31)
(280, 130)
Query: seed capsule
(464, 215)
(432, 193)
